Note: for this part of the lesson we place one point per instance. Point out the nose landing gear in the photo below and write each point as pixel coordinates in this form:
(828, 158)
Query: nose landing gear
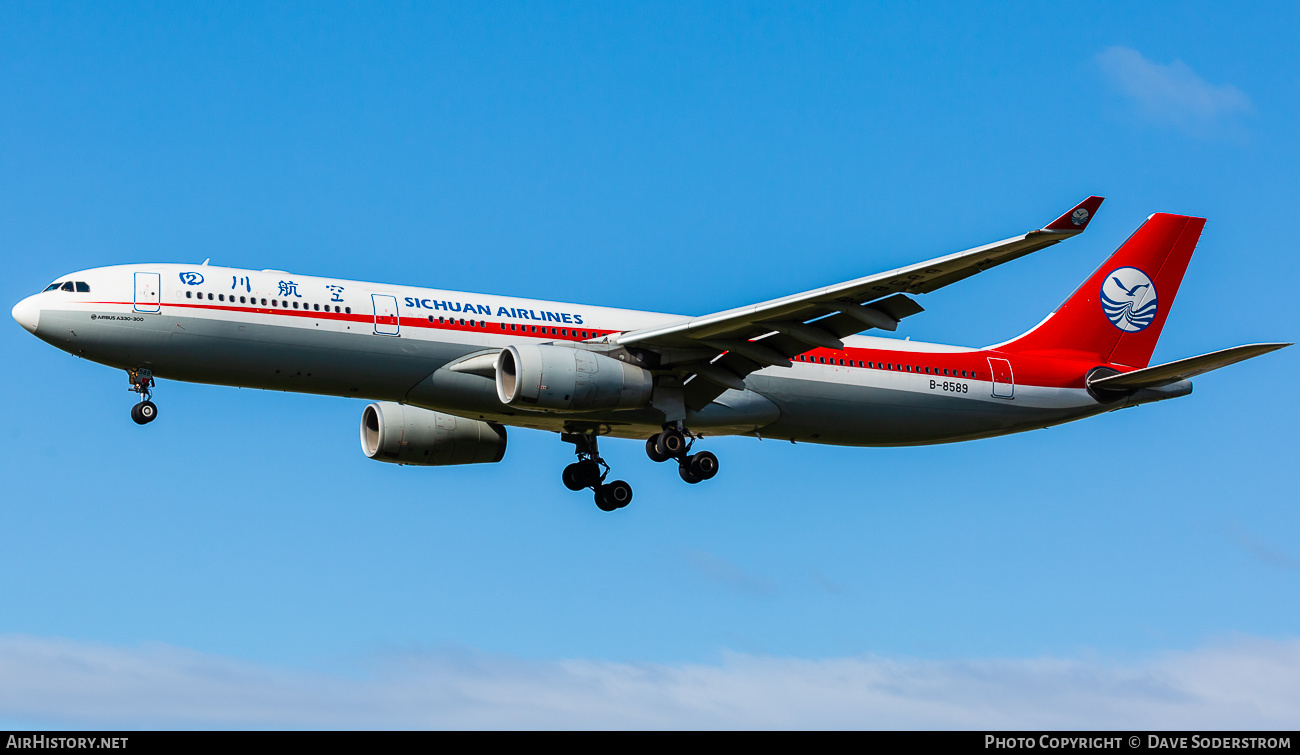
(145, 411)
(590, 471)
(673, 443)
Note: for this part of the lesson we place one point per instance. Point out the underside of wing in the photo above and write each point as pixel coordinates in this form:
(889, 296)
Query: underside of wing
(714, 352)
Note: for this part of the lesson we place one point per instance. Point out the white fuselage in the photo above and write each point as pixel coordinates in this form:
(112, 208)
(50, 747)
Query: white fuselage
(278, 330)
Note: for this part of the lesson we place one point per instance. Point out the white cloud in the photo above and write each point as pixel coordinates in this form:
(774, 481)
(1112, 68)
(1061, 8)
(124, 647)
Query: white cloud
(1248, 683)
(1172, 94)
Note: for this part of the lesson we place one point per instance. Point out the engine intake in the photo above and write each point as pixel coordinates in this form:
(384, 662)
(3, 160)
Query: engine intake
(401, 434)
(559, 378)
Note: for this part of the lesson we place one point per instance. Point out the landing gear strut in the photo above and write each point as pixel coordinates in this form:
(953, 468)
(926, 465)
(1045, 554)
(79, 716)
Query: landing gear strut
(145, 411)
(590, 471)
(673, 443)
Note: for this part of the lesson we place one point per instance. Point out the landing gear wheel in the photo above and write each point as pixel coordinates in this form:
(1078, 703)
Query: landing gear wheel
(652, 449)
(684, 469)
(703, 465)
(144, 412)
(570, 477)
(613, 496)
(670, 443)
(586, 473)
(590, 471)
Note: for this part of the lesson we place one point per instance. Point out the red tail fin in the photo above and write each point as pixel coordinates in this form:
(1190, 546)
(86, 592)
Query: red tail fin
(1116, 316)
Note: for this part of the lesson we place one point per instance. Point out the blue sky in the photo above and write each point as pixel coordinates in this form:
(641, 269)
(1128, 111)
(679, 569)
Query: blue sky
(240, 563)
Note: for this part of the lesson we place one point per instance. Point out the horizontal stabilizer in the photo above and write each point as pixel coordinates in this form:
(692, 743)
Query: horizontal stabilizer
(1172, 372)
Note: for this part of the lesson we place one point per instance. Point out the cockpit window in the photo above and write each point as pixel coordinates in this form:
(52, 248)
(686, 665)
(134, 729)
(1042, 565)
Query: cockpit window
(67, 286)
(83, 288)
(52, 286)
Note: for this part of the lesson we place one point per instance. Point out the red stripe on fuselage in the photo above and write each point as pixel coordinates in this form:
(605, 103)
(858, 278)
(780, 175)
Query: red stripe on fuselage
(1031, 371)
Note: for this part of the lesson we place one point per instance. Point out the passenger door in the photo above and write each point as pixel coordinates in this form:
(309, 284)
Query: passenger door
(147, 287)
(1004, 384)
(387, 318)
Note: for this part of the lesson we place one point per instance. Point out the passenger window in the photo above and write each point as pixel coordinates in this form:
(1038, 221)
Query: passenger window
(316, 307)
(221, 297)
(68, 286)
(264, 302)
(209, 297)
(347, 310)
(275, 303)
(564, 331)
(841, 362)
(189, 294)
(82, 288)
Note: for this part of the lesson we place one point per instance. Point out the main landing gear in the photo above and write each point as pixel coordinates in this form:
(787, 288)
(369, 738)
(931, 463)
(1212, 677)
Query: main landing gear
(673, 443)
(145, 411)
(590, 471)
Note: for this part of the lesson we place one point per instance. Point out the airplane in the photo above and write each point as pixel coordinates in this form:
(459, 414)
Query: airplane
(447, 371)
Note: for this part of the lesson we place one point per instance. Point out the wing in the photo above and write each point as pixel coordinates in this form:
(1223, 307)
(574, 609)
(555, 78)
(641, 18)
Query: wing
(769, 334)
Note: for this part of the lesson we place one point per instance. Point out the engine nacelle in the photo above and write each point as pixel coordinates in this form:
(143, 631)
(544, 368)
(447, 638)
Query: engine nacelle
(559, 378)
(401, 434)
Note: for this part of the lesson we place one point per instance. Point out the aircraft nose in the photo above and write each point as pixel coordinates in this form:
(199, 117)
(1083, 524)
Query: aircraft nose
(28, 313)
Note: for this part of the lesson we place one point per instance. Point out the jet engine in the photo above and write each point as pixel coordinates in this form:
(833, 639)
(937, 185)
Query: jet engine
(560, 378)
(401, 434)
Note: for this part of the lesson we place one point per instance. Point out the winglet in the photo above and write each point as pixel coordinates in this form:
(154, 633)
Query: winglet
(1077, 218)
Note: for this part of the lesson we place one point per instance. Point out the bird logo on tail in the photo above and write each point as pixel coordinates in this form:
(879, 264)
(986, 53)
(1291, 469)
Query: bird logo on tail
(1128, 297)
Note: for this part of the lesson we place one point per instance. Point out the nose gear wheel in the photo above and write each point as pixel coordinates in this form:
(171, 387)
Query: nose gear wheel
(145, 411)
